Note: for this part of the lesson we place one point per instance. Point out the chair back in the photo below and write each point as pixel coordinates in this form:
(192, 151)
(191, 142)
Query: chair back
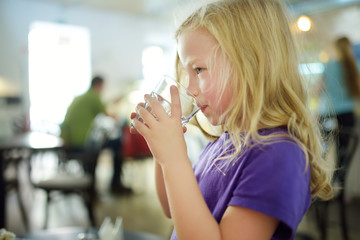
(346, 154)
(87, 156)
(134, 145)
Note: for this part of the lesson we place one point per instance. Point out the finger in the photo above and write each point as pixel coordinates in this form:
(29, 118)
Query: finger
(139, 127)
(133, 115)
(175, 102)
(184, 129)
(145, 116)
(132, 129)
(155, 106)
(141, 104)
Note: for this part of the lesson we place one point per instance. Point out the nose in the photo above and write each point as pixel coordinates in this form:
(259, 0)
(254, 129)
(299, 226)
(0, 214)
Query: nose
(193, 86)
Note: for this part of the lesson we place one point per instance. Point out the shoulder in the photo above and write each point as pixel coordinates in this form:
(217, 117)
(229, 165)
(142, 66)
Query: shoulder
(93, 97)
(92, 93)
(332, 63)
(281, 147)
(278, 145)
(332, 66)
(276, 182)
(280, 159)
(280, 155)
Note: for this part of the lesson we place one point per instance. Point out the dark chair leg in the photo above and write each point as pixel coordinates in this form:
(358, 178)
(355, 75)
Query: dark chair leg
(22, 208)
(343, 216)
(89, 204)
(325, 220)
(47, 210)
(321, 211)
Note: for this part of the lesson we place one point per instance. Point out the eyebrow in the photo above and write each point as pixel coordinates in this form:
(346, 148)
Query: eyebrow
(192, 61)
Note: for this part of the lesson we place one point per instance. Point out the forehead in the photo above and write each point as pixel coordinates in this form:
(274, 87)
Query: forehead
(195, 44)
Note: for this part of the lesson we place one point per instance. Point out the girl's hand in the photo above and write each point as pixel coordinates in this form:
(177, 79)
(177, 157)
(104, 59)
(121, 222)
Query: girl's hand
(134, 114)
(163, 134)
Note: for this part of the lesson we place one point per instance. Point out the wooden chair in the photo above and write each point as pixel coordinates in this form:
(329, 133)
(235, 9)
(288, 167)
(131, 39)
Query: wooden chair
(13, 159)
(66, 181)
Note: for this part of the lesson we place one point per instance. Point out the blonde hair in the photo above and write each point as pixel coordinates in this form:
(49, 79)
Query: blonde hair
(267, 87)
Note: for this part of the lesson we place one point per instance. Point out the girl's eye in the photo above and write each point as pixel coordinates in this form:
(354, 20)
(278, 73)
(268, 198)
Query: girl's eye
(199, 70)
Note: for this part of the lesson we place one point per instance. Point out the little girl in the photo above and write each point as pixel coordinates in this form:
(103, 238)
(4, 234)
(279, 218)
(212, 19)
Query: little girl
(257, 180)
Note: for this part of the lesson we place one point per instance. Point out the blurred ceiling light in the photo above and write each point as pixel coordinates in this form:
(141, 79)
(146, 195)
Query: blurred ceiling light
(152, 55)
(153, 62)
(304, 23)
(7, 89)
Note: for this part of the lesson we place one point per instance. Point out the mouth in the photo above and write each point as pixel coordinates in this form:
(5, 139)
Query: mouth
(202, 108)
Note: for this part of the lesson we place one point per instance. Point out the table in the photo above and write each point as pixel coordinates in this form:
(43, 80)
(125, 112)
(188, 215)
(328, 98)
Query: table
(70, 233)
(32, 141)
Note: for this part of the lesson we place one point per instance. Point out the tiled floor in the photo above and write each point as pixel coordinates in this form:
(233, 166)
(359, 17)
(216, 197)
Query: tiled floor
(140, 211)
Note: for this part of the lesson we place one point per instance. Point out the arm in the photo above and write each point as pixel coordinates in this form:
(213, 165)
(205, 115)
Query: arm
(160, 189)
(159, 179)
(111, 107)
(193, 220)
(244, 223)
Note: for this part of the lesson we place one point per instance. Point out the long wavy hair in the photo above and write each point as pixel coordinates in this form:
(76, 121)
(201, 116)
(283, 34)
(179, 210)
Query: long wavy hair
(347, 59)
(268, 90)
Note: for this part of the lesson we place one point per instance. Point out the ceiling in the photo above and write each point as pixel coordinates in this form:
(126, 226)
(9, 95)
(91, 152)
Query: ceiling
(165, 8)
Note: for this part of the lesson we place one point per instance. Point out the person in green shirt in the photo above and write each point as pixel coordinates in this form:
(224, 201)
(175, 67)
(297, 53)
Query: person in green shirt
(78, 124)
(81, 114)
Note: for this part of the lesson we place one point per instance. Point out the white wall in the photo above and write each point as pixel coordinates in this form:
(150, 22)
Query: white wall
(117, 39)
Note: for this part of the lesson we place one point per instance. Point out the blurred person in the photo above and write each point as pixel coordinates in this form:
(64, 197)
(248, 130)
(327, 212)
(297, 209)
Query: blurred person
(79, 121)
(341, 85)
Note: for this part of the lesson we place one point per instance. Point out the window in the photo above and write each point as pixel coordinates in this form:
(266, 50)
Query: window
(59, 69)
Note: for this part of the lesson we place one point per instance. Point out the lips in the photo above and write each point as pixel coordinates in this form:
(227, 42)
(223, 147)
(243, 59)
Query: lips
(202, 108)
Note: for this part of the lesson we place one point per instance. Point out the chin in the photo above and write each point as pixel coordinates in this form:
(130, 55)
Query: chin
(215, 121)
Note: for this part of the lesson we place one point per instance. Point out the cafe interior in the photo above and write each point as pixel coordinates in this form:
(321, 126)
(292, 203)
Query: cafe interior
(50, 50)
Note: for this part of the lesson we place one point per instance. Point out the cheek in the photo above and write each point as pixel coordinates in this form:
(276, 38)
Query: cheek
(211, 92)
(226, 98)
(212, 86)
(208, 89)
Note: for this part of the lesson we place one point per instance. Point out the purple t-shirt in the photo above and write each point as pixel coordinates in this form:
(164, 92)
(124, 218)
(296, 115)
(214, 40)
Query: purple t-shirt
(270, 179)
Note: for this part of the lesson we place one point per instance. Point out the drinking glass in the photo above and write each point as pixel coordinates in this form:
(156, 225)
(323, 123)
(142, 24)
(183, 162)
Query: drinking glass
(190, 105)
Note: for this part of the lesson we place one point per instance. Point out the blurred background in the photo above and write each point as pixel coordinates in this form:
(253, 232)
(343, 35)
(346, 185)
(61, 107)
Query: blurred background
(53, 47)
(50, 49)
